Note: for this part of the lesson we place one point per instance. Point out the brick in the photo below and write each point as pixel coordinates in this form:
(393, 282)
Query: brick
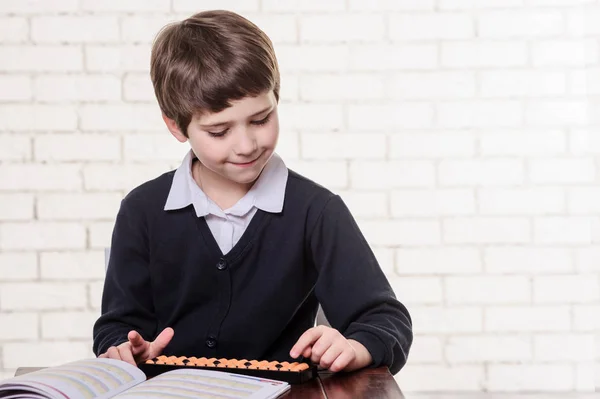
(496, 54)
(390, 116)
(16, 266)
(587, 377)
(557, 113)
(78, 206)
(303, 5)
(504, 348)
(23, 326)
(437, 261)
(426, 349)
(392, 174)
(527, 319)
(432, 202)
(153, 147)
(432, 145)
(391, 5)
(366, 204)
(123, 177)
(583, 23)
(341, 87)
(492, 113)
(132, 117)
(283, 29)
(430, 26)
(40, 177)
(385, 57)
(401, 232)
(584, 200)
(418, 290)
(523, 142)
(428, 85)
(129, 5)
(15, 147)
(41, 235)
(530, 377)
(95, 294)
(439, 378)
(519, 260)
(506, 24)
(573, 347)
(143, 28)
(564, 52)
(585, 81)
(77, 147)
(129, 58)
(478, 4)
(322, 116)
(525, 83)
(42, 296)
(38, 6)
(300, 58)
(385, 258)
(15, 88)
(563, 289)
(288, 145)
(559, 2)
(138, 87)
(562, 171)
(486, 230)
(25, 58)
(475, 290)
(442, 320)
(521, 201)
(333, 146)
(588, 259)
(47, 354)
(74, 29)
(342, 28)
(490, 172)
(332, 174)
(15, 207)
(563, 230)
(66, 325)
(37, 117)
(55, 88)
(87, 265)
(585, 317)
(100, 234)
(290, 88)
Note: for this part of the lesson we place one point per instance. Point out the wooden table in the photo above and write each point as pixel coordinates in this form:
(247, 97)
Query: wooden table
(367, 383)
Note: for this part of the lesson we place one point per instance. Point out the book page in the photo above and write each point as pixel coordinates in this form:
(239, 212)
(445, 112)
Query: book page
(83, 379)
(206, 384)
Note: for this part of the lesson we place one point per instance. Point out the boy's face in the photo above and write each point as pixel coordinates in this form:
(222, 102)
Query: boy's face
(237, 142)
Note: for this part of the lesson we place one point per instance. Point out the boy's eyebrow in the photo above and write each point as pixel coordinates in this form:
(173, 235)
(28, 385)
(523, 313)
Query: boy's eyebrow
(251, 116)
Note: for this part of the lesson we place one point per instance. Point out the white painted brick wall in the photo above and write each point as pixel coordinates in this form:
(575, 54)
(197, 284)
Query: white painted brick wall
(463, 135)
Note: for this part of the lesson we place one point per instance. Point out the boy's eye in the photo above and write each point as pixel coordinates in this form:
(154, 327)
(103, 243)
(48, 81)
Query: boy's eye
(218, 134)
(262, 121)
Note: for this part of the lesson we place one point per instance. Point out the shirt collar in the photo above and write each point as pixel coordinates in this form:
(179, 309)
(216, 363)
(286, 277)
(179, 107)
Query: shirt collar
(267, 193)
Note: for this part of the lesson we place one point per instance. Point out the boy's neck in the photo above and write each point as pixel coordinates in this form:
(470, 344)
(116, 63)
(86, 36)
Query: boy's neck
(224, 192)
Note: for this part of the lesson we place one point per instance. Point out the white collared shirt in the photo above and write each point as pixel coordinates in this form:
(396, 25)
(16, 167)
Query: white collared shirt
(227, 226)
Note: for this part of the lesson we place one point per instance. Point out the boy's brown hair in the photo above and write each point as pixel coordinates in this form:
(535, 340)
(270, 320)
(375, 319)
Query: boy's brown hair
(203, 62)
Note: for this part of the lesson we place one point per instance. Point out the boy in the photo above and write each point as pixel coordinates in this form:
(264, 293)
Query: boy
(231, 254)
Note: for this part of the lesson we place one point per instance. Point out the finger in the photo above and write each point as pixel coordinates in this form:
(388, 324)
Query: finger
(159, 344)
(342, 361)
(331, 355)
(102, 356)
(307, 352)
(138, 344)
(306, 340)
(113, 353)
(326, 341)
(125, 353)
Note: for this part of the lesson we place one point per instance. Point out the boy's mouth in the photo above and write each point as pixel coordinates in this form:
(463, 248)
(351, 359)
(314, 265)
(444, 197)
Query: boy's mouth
(246, 164)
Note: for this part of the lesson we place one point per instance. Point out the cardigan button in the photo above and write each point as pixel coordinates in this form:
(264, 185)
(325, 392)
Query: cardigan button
(211, 342)
(222, 265)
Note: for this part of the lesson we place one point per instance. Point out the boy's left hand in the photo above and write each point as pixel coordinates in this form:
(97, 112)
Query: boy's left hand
(329, 349)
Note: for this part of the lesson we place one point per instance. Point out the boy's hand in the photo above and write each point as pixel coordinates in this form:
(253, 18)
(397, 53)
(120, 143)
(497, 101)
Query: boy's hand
(331, 350)
(138, 350)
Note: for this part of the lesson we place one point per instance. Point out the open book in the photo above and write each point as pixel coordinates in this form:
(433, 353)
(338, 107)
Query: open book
(108, 378)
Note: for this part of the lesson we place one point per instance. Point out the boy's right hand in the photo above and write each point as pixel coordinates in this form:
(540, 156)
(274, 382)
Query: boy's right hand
(137, 350)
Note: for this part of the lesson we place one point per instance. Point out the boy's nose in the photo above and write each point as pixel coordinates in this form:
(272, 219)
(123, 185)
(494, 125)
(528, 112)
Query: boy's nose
(246, 145)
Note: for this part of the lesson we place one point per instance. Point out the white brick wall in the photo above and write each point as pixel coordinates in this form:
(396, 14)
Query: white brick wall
(463, 134)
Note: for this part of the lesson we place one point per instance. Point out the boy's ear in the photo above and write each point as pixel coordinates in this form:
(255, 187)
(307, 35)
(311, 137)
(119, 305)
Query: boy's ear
(174, 129)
